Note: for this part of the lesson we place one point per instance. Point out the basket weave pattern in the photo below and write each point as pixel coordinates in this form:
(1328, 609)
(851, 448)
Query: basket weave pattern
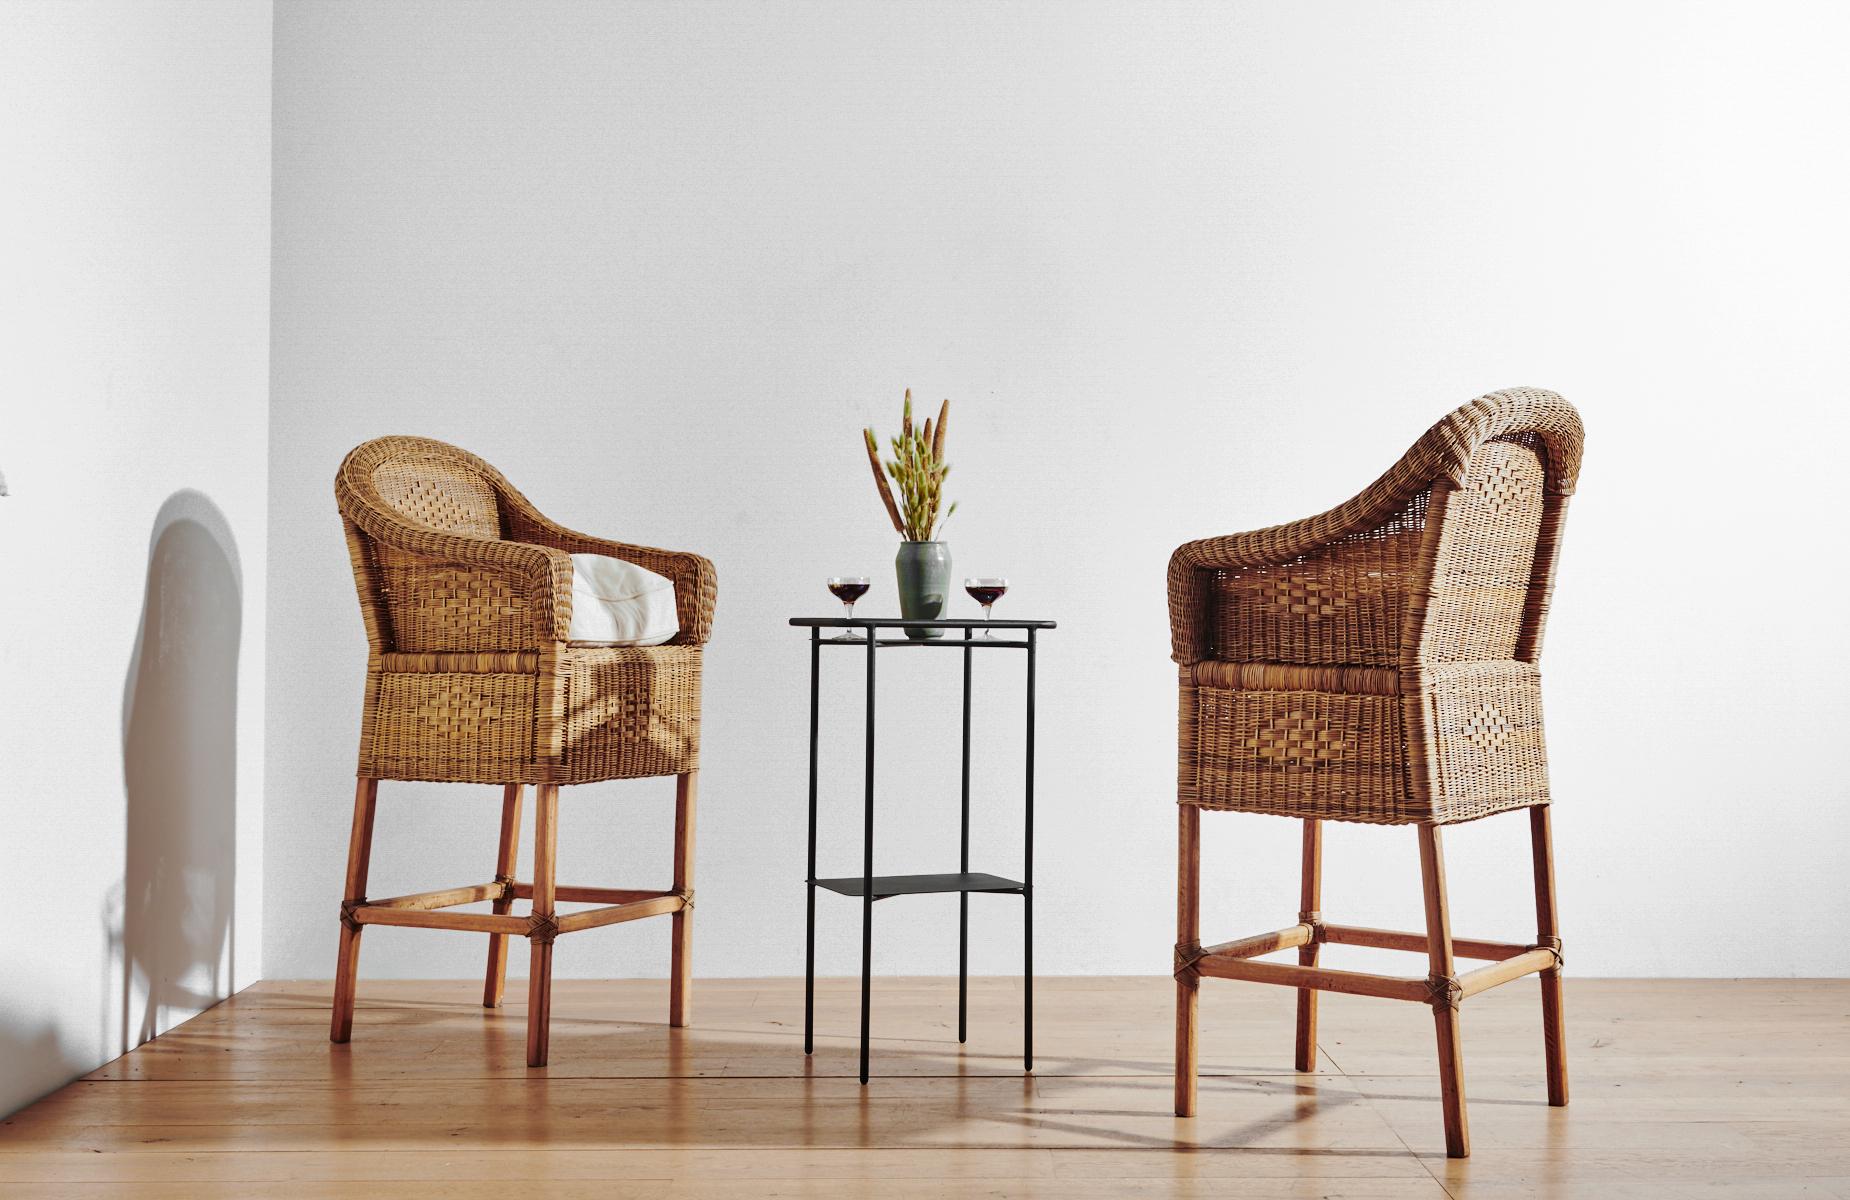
(1377, 662)
(465, 589)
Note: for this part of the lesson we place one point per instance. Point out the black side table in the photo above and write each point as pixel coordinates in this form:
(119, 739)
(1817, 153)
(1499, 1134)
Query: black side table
(865, 633)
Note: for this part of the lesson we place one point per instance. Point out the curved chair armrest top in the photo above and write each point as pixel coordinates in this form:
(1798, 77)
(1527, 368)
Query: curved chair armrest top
(695, 582)
(1441, 454)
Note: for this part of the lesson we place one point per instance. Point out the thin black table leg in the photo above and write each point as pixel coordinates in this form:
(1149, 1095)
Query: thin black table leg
(1027, 884)
(867, 868)
(963, 865)
(815, 724)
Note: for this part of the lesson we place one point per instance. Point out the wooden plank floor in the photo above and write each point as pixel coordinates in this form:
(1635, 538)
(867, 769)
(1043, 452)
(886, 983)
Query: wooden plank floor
(1680, 1089)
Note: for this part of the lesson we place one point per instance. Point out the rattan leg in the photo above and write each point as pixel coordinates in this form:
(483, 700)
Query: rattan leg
(1443, 979)
(1310, 901)
(359, 862)
(505, 859)
(681, 965)
(545, 928)
(1452, 1083)
(1548, 933)
(1188, 937)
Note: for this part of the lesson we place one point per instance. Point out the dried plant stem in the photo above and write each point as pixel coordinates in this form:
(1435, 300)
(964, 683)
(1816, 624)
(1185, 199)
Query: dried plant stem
(886, 493)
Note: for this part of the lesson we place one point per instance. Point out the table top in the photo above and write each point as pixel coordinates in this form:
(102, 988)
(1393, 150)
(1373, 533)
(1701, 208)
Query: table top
(902, 623)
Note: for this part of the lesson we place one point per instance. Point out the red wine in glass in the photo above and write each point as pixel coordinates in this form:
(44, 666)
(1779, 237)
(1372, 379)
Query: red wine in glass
(848, 589)
(986, 591)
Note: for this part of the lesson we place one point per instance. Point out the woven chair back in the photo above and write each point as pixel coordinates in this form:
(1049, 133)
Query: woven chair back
(438, 486)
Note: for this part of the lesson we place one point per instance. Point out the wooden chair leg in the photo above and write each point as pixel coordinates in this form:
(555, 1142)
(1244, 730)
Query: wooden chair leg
(1548, 933)
(681, 965)
(1445, 1003)
(505, 858)
(1188, 934)
(359, 862)
(539, 976)
(1310, 901)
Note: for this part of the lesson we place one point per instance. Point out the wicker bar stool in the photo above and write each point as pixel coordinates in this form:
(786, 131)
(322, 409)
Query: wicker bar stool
(1377, 663)
(466, 591)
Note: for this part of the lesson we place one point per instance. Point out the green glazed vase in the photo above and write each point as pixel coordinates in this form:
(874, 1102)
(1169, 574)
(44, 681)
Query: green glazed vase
(924, 570)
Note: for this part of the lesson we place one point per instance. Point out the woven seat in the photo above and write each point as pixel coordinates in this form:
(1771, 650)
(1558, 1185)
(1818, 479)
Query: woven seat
(466, 592)
(1377, 664)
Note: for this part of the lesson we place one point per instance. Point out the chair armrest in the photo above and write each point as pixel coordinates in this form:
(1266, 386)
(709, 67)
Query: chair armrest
(540, 575)
(1275, 545)
(696, 585)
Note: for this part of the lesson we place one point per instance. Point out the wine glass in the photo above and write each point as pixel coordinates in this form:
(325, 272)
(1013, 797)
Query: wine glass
(986, 590)
(848, 589)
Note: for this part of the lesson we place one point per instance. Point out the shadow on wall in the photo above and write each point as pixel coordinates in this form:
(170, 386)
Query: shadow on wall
(35, 1059)
(172, 922)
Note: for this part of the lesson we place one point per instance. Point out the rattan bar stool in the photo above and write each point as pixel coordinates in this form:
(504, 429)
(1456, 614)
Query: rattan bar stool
(466, 590)
(1377, 663)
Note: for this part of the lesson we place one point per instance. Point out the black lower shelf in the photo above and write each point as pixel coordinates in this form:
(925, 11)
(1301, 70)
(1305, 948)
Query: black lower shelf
(918, 885)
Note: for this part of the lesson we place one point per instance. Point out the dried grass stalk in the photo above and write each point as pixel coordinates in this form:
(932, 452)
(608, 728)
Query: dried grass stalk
(886, 493)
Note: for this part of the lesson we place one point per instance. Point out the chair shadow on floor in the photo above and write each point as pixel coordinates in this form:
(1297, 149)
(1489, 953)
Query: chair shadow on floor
(172, 923)
(631, 1083)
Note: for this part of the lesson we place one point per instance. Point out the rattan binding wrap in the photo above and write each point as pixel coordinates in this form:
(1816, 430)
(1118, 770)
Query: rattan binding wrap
(466, 591)
(1378, 662)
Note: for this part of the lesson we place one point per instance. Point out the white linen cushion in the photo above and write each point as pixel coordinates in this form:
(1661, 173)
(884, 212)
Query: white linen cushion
(617, 603)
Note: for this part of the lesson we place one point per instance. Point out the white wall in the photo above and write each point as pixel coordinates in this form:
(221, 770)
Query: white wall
(134, 245)
(1185, 270)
